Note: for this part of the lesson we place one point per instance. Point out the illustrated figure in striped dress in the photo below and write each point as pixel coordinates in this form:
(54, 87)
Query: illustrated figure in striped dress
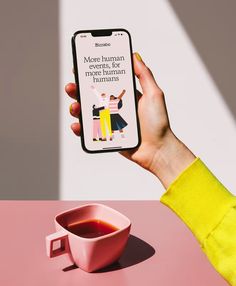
(117, 122)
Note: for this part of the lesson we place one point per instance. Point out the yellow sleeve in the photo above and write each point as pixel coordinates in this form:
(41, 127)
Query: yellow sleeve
(209, 210)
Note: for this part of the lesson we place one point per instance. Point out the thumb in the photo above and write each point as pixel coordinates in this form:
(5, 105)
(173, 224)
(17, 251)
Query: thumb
(145, 76)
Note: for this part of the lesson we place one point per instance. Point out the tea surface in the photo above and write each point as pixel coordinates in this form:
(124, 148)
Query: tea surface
(91, 228)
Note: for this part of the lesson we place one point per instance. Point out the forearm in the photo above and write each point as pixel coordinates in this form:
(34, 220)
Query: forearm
(201, 201)
(171, 159)
(208, 209)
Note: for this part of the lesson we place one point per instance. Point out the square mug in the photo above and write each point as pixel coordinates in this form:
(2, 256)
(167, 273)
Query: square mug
(89, 254)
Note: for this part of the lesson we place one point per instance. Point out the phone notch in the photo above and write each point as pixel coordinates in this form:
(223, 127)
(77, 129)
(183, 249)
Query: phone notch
(101, 33)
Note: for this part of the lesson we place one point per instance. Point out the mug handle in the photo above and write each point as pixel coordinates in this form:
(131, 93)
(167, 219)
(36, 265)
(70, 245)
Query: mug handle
(60, 236)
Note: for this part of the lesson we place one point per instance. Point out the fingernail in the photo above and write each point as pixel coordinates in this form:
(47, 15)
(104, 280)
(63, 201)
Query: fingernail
(138, 57)
(71, 109)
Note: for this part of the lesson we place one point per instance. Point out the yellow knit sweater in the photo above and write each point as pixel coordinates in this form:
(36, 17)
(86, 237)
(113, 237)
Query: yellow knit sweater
(209, 210)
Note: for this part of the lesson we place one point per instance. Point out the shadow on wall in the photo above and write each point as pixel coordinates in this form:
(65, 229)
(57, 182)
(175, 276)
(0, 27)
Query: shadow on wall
(211, 27)
(29, 100)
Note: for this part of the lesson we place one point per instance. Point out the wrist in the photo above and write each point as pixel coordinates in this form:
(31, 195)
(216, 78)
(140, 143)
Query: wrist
(171, 159)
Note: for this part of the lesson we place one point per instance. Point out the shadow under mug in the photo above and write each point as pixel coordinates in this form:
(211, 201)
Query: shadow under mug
(89, 254)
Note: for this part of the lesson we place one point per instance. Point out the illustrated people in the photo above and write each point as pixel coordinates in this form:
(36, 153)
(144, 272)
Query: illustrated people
(96, 123)
(117, 122)
(105, 119)
(192, 191)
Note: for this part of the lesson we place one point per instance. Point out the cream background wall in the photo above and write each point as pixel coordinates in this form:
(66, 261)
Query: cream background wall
(198, 112)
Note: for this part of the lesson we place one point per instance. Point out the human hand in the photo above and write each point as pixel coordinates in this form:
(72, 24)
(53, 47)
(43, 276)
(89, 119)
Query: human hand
(160, 151)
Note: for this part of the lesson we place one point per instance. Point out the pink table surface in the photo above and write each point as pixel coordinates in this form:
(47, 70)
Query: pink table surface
(161, 250)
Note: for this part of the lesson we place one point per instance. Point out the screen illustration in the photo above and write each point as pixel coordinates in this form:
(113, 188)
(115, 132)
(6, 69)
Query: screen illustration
(106, 88)
(106, 118)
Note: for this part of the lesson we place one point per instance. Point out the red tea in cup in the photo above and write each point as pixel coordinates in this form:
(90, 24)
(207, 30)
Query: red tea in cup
(91, 228)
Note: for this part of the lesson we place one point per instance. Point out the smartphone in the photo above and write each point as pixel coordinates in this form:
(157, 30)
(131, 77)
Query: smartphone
(103, 68)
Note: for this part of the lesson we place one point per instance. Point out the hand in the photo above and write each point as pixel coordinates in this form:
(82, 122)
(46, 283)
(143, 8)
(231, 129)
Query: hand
(160, 151)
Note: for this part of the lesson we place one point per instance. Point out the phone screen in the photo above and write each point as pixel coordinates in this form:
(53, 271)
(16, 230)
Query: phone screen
(106, 91)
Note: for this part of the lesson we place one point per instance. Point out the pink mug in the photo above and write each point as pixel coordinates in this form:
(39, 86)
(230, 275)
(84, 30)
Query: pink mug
(89, 254)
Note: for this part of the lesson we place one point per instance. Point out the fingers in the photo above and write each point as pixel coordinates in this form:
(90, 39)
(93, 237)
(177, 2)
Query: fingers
(70, 89)
(75, 109)
(145, 76)
(76, 128)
